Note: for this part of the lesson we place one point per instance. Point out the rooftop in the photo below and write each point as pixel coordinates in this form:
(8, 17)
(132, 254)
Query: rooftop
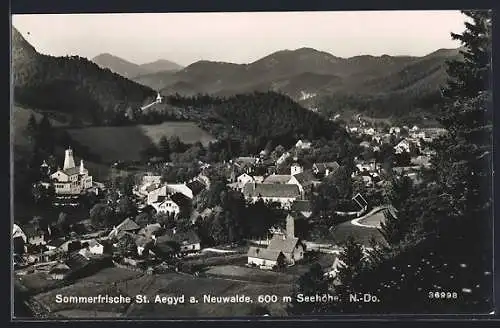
(271, 190)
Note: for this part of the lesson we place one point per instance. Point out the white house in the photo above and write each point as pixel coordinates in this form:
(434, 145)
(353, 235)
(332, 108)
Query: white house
(71, 180)
(303, 144)
(296, 168)
(95, 247)
(402, 146)
(17, 232)
(335, 268)
(370, 131)
(166, 206)
(304, 180)
(394, 130)
(242, 180)
(325, 169)
(283, 158)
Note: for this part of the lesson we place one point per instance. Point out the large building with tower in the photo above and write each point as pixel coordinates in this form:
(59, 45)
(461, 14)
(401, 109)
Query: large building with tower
(71, 179)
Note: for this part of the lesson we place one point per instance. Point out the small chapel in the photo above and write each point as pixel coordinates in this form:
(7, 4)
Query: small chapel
(71, 179)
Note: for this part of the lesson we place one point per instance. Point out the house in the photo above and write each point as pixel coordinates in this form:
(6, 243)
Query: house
(402, 146)
(304, 180)
(246, 164)
(296, 168)
(150, 179)
(423, 161)
(303, 207)
(414, 128)
(151, 230)
(284, 194)
(283, 158)
(71, 180)
(59, 271)
(188, 241)
(180, 188)
(196, 186)
(282, 245)
(277, 179)
(144, 243)
(303, 144)
(325, 169)
(335, 268)
(94, 247)
(166, 205)
(394, 130)
(17, 232)
(242, 180)
(127, 225)
(264, 258)
(377, 139)
(55, 243)
(370, 131)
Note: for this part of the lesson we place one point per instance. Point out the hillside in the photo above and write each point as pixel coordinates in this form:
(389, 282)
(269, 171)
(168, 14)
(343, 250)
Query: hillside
(118, 65)
(71, 85)
(308, 76)
(131, 70)
(261, 117)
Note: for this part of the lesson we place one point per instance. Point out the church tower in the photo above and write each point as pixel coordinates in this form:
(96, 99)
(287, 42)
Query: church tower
(290, 226)
(69, 161)
(82, 168)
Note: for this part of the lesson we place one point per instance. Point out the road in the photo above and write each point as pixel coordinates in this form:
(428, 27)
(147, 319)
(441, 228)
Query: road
(361, 232)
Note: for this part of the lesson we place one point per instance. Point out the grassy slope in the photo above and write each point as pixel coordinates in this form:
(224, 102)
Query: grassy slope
(126, 143)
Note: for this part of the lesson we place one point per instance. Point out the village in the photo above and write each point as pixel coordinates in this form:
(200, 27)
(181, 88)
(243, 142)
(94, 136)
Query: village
(173, 244)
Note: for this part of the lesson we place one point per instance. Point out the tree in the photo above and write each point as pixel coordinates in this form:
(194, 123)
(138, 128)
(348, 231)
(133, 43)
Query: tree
(164, 148)
(126, 208)
(143, 219)
(62, 222)
(126, 246)
(313, 282)
(352, 262)
(31, 130)
(341, 178)
(472, 75)
(101, 215)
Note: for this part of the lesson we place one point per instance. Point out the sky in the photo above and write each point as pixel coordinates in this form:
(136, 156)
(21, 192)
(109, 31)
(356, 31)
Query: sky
(239, 37)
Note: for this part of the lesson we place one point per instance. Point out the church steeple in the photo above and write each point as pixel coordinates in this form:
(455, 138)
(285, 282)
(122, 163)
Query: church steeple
(69, 161)
(82, 168)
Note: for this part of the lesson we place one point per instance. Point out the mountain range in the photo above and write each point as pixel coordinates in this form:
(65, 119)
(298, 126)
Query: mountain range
(71, 85)
(130, 70)
(308, 76)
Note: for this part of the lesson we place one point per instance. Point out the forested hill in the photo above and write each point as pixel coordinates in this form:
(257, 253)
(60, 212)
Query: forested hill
(71, 85)
(260, 115)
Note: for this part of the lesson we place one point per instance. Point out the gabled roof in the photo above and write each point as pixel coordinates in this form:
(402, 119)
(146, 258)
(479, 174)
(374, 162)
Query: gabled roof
(59, 268)
(277, 178)
(269, 190)
(263, 253)
(305, 178)
(332, 166)
(285, 245)
(183, 238)
(150, 229)
(128, 225)
(196, 186)
(301, 206)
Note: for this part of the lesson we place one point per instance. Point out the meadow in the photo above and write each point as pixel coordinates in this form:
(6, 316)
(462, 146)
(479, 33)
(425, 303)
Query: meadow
(125, 143)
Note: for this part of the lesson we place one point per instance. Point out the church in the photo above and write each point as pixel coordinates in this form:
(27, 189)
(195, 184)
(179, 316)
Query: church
(71, 180)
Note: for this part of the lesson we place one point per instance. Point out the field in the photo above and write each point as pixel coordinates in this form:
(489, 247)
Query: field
(126, 143)
(373, 220)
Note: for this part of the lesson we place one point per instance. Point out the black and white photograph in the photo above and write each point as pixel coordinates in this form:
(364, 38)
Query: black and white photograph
(251, 164)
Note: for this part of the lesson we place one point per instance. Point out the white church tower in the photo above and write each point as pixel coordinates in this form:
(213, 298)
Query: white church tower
(69, 161)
